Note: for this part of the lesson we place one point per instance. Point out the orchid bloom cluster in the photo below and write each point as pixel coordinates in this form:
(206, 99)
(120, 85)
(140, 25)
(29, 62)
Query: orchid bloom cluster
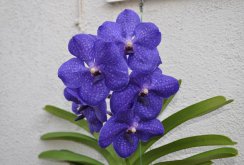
(121, 59)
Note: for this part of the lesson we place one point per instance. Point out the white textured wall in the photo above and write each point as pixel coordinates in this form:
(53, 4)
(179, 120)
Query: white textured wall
(203, 44)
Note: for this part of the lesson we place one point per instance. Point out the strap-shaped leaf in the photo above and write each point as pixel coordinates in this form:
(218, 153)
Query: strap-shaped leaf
(73, 163)
(168, 100)
(80, 138)
(200, 159)
(188, 113)
(206, 163)
(63, 114)
(184, 162)
(194, 111)
(68, 156)
(185, 143)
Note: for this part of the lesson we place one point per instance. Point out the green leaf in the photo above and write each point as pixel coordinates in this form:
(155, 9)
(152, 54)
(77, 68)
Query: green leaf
(167, 101)
(184, 162)
(191, 112)
(185, 143)
(202, 158)
(206, 163)
(80, 138)
(194, 111)
(73, 163)
(68, 156)
(66, 116)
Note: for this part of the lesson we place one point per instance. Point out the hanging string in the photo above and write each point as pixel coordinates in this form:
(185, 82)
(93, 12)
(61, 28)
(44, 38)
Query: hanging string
(141, 5)
(78, 23)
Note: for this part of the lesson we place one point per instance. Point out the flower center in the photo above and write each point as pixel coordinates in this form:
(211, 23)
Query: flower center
(129, 47)
(94, 71)
(144, 92)
(131, 130)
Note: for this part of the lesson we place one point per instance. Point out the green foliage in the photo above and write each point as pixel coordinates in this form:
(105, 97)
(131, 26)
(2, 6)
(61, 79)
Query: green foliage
(80, 138)
(206, 163)
(68, 156)
(189, 142)
(146, 157)
(204, 158)
(194, 111)
(63, 114)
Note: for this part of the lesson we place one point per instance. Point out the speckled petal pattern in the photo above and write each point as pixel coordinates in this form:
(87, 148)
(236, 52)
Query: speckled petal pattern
(147, 35)
(109, 131)
(112, 65)
(71, 72)
(101, 111)
(92, 91)
(164, 85)
(144, 60)
(124, 99)
(128, 20)
(94, 124)
(149, 106)
(81, 46)
(149, 129)
(125, 144)
(72, 95)
(110, 31)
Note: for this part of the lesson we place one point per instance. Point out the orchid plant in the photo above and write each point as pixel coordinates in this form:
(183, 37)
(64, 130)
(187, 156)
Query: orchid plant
(120, 66)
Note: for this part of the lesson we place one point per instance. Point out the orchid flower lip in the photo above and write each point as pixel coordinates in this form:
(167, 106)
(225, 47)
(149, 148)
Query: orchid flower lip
(129, 47)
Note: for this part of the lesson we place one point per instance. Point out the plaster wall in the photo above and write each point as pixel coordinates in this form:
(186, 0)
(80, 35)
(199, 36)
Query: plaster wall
(202, 44)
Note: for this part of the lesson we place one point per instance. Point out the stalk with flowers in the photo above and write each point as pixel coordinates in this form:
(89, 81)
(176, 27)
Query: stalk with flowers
(121, 63)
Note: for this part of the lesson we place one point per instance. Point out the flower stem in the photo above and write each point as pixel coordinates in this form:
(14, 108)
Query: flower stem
(140, 154)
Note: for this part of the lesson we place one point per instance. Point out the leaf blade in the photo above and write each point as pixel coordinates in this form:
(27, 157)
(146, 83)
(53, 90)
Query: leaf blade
(63, 114)
(193, 111)
(204, 157)
(68, 156)
(184, 162)
(185, 143)
(206, 163)
(80, 138)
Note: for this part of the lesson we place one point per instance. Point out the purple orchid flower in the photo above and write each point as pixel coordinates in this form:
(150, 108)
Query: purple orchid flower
(145, 93)
(125, 130)
(101, 65)
(95, 115)
(104, 69)
(136, 39)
